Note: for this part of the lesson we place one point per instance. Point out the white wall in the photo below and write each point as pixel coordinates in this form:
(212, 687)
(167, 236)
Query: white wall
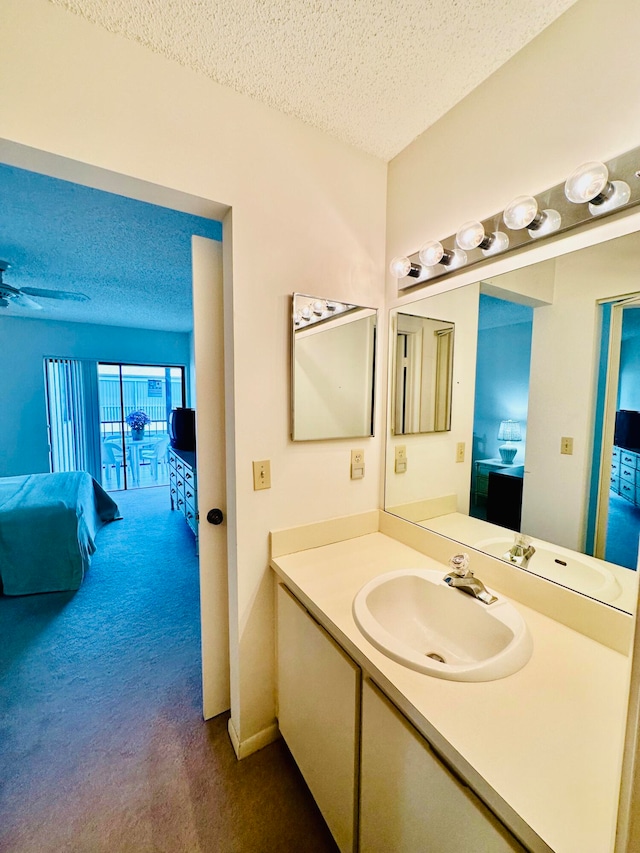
(564, 356)
(308, 215)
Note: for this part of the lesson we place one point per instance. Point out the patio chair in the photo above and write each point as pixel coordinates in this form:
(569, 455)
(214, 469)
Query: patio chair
(156, 455)
(112, 458)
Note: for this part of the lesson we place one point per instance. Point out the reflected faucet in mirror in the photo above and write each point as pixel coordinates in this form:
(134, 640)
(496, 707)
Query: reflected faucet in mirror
(521, 551)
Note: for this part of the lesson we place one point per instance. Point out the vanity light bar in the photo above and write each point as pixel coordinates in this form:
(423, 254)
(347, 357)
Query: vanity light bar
(589, 193)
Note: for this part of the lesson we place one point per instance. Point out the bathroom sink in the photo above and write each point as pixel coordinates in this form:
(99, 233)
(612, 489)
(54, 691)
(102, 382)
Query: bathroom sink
(415, 618)
(577, 571)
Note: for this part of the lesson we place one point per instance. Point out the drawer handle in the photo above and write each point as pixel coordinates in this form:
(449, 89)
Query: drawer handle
(189, 495)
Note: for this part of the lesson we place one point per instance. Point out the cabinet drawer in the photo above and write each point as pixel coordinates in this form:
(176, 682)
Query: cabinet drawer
(628, 474)
(628, 458)
(615, 467)
(191, 520)
(627, 490)
(616, 453)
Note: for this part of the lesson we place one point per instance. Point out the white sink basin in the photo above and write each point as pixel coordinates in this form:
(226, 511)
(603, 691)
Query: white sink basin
(576, 571)
(412, 614)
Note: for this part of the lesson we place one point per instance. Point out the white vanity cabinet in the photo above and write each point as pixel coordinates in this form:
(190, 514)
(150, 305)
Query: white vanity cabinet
(410, 802)
(318, 704)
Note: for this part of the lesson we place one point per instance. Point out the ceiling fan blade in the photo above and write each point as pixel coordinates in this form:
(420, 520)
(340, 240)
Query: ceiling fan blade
(54, 294)
(27, 302)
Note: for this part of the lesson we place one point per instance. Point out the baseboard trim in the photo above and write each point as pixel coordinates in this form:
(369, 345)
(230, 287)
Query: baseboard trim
(258, 741)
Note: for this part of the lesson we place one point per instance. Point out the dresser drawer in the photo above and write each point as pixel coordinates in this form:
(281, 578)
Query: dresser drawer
(627, 490)
(628, 458)
(616, 453)
(628, 474)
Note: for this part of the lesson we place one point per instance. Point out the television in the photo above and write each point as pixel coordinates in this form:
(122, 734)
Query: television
(182, 429)
(627, 431)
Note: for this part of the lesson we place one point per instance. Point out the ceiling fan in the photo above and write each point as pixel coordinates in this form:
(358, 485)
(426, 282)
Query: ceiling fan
(10, 295)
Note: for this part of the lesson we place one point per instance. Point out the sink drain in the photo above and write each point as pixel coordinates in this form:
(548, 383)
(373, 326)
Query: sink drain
(435, 656)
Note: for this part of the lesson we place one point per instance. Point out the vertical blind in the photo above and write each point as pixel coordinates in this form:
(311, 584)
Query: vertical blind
(73, 414)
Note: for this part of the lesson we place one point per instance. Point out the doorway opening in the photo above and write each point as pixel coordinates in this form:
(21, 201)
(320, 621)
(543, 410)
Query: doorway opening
(614, 522)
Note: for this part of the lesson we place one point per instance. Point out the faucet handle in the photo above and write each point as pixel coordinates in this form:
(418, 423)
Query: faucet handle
(459, 565)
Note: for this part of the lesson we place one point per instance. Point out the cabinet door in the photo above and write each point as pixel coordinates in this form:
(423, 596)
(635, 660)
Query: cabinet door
(409, 801)
(318, 689)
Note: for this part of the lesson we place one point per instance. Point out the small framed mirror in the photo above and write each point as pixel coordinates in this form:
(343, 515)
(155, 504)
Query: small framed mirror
(422, 374)
(332, 369)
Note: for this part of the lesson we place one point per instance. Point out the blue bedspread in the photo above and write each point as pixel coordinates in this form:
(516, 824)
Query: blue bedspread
(48, 524)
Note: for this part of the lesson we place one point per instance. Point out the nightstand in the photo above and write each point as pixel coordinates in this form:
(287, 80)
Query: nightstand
(482, 469)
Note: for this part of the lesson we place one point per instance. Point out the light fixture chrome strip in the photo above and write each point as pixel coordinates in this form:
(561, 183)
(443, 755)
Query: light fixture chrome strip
(592, 192)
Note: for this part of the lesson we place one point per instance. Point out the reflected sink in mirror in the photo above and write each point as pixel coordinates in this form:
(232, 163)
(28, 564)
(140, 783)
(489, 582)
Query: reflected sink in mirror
(568, 568)
(415, 618)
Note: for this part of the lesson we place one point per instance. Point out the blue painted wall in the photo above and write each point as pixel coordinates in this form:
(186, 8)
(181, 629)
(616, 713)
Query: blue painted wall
(629, 385)
(502, 373)
(24, 345)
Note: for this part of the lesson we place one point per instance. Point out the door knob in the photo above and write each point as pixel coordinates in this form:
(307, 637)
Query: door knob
(215, 516)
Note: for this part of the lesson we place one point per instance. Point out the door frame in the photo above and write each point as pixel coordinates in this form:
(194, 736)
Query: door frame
(85, 174)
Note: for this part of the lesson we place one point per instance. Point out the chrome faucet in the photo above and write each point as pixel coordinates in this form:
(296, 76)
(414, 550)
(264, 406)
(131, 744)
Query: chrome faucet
(520, 552)
(461, 577)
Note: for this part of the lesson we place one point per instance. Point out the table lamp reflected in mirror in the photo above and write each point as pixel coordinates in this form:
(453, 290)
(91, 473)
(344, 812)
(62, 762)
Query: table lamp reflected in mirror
(509, 431)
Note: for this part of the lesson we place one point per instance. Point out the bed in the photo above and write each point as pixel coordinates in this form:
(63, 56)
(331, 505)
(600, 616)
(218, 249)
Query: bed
(48, 525)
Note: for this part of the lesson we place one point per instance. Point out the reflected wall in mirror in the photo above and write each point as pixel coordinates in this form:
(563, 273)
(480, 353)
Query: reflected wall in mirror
(332, 369)
(547, 365)
(422, 374)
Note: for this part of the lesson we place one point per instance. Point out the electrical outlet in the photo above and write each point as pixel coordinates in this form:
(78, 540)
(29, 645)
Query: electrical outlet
(566, 445)
(460, 451)
(401, 459)
(262, 475)
(357, 464)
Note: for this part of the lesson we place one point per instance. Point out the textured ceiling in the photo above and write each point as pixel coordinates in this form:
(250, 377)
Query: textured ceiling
(374, 73)
(131, 258)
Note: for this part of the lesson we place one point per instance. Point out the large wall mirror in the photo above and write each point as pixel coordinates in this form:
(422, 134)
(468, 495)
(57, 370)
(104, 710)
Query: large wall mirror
(545, 422)
(332, 369)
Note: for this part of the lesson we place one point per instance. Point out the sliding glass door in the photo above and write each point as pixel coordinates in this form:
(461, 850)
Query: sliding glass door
(135, 405)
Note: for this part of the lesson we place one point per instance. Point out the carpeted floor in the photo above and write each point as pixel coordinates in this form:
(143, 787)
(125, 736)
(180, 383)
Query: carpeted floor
(623, 529)
(102, 743)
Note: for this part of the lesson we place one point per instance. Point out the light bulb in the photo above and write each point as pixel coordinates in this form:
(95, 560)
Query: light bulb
(432, 253)
(590, 183)
(586, 182)
(521, 212)
(472, 235)
(400, 267)
(306, 313)
(318, 307)
(499, 243)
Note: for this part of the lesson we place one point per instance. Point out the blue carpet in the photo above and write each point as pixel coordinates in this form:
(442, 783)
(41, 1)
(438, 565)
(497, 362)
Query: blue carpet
(102, 741)
(623, 529)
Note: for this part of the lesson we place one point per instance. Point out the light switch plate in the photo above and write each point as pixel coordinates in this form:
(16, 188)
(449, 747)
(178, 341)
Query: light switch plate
(566, 445)
(401, 459)
(262, 475)
(460, 451)
(357, 464)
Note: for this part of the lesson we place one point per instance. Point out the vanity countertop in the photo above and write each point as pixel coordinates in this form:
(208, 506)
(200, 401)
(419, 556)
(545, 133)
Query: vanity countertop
(542, 746)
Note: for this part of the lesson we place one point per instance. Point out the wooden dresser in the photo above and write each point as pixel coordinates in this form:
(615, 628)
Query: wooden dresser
(625, 474)
(183, 486)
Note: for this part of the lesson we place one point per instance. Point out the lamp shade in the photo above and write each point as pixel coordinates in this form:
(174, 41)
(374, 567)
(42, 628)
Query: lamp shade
(509, 431)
